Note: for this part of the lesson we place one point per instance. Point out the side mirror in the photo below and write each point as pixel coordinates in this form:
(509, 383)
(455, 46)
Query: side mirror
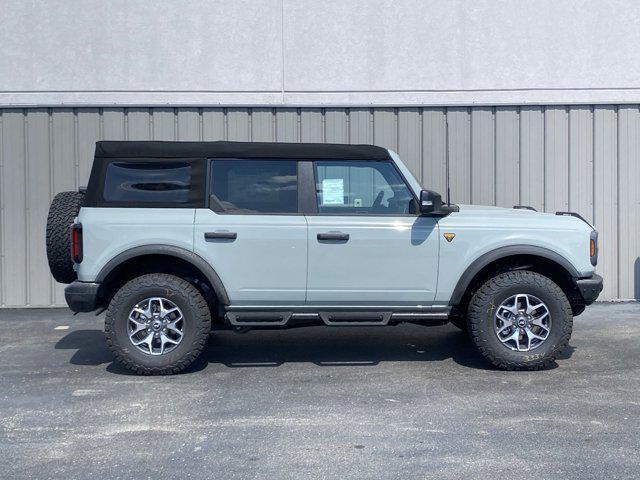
(430, 202)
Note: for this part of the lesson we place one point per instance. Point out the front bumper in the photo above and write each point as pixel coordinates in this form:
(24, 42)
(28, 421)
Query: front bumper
(590, 288)
(82, 296)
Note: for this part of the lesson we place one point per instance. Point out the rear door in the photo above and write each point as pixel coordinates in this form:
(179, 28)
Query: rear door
(253, 234)
(367, 245)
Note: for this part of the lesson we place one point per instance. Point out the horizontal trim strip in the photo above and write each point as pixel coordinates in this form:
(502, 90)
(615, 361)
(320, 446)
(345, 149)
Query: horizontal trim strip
(299, 99)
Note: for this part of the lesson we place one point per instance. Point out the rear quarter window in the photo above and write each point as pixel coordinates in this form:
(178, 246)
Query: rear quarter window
(152, 182)
(147, 183)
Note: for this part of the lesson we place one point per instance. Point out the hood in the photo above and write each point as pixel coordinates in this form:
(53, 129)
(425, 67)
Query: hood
(522, 216)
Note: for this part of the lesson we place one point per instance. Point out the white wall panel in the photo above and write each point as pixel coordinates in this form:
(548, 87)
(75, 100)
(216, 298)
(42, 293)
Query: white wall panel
(318, 53)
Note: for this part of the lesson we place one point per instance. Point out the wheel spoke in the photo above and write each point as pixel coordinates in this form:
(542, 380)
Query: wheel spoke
(139, 326)
(173, 326)
(148, 340)
(538, 323)
(504, 327)
(522, 303)
(515, 336)
(534, 336)
(164, 340)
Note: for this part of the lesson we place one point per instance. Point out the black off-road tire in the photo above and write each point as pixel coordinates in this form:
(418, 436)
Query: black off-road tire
(482, 310)
(197, 324)
(64, 208)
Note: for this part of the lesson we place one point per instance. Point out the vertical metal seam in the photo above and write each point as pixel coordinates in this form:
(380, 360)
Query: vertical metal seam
(593, 164)
(176, 124)
(446, 153)
(569, 158)
(2, 222)
(76, 148)
(200, 124)
(396, 127)
(544, 158)
(101, 123)
(225, 123)
(27, 195)
(323, 125)
(421, 144)
(125, 123)
(52, 292)
(471, 155)
(616, 112)
(151, 124)
(518, 161)
(568, 138)
(347, 112)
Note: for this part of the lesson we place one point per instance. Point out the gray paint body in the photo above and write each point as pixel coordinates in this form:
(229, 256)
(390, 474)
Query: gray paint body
(579, 158)
(388, 261)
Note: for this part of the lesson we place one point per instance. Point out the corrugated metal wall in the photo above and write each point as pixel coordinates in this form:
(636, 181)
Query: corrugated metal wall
(580, 158)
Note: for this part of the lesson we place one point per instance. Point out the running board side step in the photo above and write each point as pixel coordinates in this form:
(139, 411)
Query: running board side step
(364, 319)
(258, 319)
(333, 318)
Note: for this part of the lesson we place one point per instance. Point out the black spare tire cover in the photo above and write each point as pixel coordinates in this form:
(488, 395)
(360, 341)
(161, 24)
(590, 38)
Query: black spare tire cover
(64, 208)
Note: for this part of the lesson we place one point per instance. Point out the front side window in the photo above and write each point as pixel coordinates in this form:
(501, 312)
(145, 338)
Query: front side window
(254, 186)
(159, 182)
(361, 187)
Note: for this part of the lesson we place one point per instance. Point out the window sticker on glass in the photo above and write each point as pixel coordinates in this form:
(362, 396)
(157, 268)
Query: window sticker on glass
(333, 191)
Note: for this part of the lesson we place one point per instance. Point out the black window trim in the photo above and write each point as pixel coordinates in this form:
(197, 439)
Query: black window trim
(307, 194)
(335, 160)
(209, 187)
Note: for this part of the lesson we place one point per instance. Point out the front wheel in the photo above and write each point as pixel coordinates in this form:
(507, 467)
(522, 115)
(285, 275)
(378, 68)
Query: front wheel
(157, 324)
(520, 320)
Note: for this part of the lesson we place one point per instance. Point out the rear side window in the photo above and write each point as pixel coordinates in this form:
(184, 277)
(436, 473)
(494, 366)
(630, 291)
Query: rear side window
(147, 182)
(254, 186)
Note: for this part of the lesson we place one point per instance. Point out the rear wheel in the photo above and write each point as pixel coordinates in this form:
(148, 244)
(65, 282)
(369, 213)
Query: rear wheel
(520, 320)
(157, 324)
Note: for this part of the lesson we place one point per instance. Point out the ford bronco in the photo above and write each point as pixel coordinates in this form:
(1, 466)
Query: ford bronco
(175, 238)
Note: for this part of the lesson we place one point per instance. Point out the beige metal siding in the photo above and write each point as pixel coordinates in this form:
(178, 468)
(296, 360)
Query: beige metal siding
(580, 158)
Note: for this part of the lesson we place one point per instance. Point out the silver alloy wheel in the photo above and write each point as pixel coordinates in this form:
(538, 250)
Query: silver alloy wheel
(522, 322)
(155, 326)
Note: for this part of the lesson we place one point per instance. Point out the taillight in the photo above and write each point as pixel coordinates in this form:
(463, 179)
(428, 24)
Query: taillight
(593, 248)
(76, 242)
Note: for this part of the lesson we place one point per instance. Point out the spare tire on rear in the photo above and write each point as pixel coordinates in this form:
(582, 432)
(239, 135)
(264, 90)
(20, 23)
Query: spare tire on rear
(64, 208)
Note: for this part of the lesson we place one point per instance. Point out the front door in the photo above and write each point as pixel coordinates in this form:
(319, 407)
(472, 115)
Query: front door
(367, 245)
(253, 234)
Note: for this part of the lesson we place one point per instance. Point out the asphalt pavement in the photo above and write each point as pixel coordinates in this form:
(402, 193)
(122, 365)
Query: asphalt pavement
(404, 402)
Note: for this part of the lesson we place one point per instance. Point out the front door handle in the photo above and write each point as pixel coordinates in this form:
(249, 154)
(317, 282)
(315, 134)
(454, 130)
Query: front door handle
(337, 236)
(220, 235)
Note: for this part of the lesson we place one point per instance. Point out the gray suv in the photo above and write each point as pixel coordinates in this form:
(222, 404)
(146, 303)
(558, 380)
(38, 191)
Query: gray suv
(173, 238)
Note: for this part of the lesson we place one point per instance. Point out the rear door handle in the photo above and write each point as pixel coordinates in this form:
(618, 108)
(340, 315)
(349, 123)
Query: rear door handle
(339, 236)
(220, 235)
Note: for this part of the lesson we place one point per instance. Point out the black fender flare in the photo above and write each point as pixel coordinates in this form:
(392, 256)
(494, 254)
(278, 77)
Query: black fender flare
(502, 252)
(194, 259)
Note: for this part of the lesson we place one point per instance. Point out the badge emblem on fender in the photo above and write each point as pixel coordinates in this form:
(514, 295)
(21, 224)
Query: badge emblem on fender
(449, 236)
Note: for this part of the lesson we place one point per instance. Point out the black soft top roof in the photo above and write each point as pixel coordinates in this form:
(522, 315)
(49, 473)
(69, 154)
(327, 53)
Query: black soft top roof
(135, 149)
